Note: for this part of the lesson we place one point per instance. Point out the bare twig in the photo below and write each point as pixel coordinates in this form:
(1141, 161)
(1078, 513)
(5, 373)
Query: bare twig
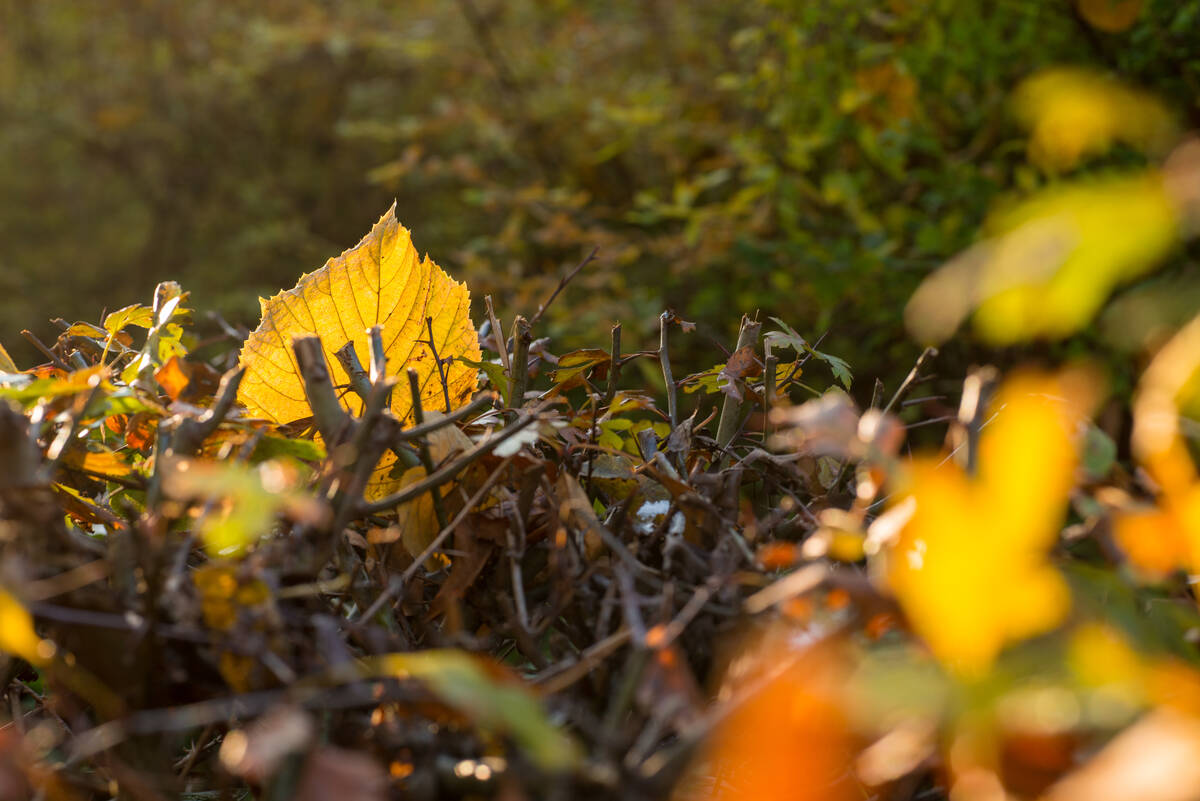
(447, 530)
(45, 351)
(190, 434)
(664, 359)
(731, 409)
(566, 279)
(498, 336)
(614, 365)
(905, 385)
(450, 470)
(519, 375)
(485, 401)
(331, 419)
(360, 382)
(414, 386)
(441, 368)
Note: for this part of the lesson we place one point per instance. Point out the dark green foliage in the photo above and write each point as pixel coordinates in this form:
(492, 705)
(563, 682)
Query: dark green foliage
(814, 160)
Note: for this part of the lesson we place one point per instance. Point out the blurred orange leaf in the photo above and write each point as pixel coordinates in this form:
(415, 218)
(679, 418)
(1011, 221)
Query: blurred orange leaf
(787, 738)
(17, 636)
(1164, 537)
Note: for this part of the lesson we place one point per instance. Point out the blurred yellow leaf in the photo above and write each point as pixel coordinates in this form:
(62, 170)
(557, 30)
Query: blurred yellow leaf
(1051, 262)
(17, 636)
(101, 463)
(223, 591)
(379, 281)
(246, 500)
(970, 566)
(1074, 113)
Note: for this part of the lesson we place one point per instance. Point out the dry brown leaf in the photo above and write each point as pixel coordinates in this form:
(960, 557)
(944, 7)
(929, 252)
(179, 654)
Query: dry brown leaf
(416, 520)
(256, 752)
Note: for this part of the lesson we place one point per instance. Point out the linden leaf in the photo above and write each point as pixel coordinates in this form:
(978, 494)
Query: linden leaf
(380, 281)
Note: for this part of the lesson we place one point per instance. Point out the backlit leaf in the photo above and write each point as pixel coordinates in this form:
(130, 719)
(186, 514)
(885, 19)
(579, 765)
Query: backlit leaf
(380, 281)
(137, 314)
(173, 377)
(7, 365)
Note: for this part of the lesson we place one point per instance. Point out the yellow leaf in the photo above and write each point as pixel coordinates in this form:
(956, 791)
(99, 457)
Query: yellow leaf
(970, 566)
(380, 281)
(6, 363)
(1073, 113)
(1051, 262)
(102, 463)
(17, 636)
(416, 519)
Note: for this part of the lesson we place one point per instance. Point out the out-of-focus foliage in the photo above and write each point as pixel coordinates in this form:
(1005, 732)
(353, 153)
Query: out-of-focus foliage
(1009, 616)
(1166, 537)
(1051, 262)
(1073, 113)
(811, 159)
(969, 565)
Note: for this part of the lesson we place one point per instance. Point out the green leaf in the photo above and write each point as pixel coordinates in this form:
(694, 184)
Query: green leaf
(495, 373)
(839, 367)
(577, 362)
(137, 314)
(273, 447)
(788, 338)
